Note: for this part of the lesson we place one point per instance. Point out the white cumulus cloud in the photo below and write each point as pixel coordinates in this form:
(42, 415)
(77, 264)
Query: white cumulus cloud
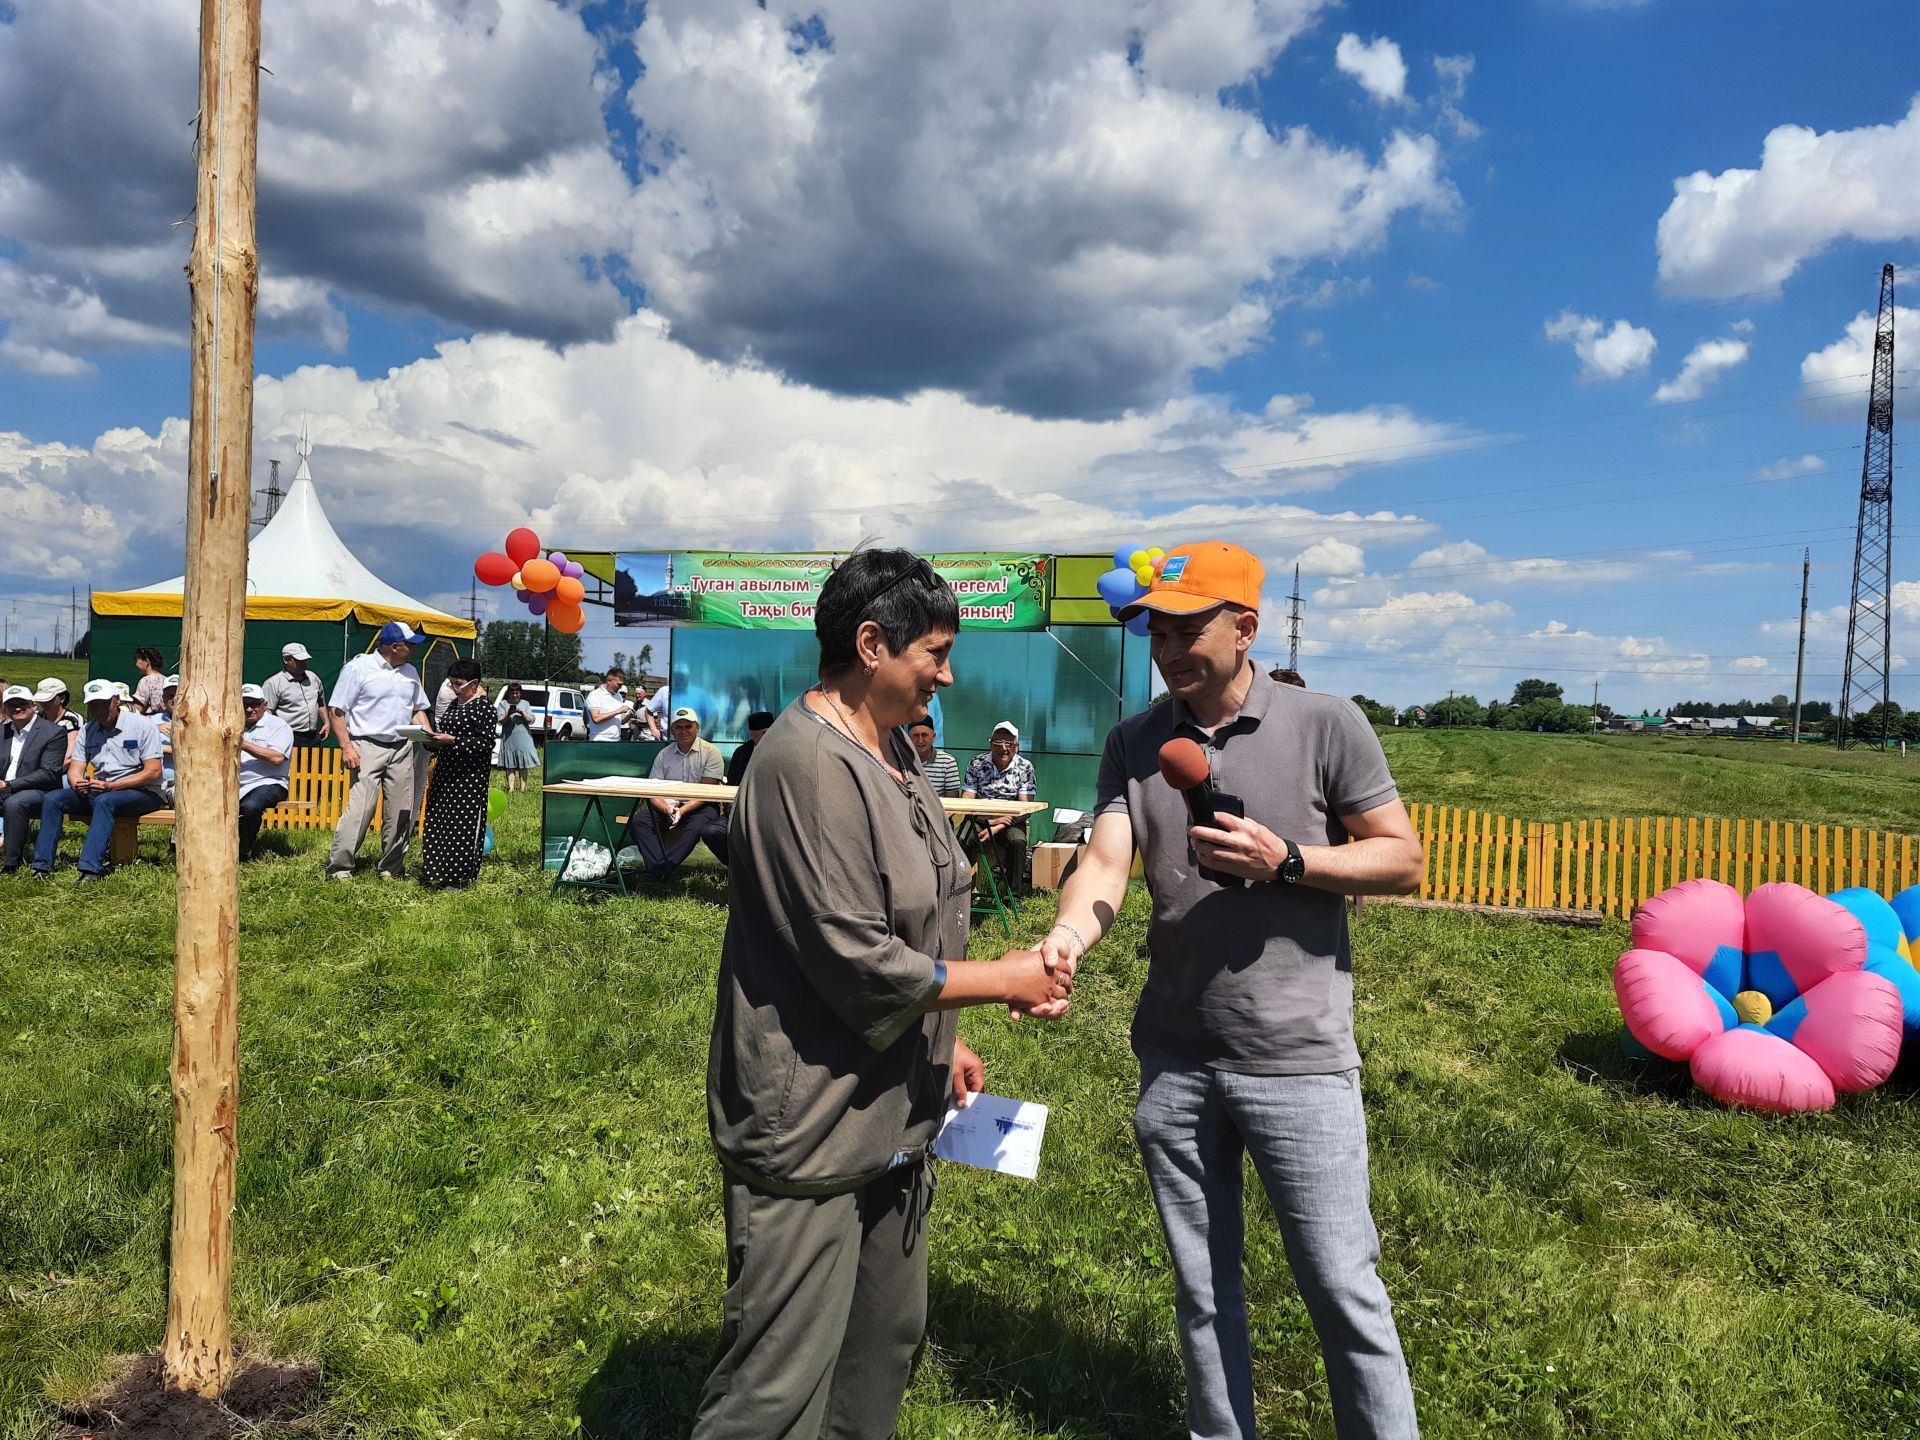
(1375, 65)
(1702, 369)
(1745, 231)
(1836, 376)
(445, 158)
(638, 439)
(1788, 467)
(1606, 353)
(1045, 207)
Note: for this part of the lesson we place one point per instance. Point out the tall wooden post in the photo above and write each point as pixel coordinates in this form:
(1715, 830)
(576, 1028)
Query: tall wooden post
(223, 274)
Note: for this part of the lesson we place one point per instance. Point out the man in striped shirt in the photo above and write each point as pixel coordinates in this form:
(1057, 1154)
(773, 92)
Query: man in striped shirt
(940, 768)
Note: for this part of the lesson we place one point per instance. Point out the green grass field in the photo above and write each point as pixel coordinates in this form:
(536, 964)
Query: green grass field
(30, 670)
(475, 1181)
(1578, 777)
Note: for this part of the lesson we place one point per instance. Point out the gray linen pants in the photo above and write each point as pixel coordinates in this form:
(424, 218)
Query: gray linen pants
(1308, 1138)
(826, 1304)
(385, 775)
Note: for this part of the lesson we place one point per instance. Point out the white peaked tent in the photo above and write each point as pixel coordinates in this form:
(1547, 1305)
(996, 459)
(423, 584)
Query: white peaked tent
(303, 584)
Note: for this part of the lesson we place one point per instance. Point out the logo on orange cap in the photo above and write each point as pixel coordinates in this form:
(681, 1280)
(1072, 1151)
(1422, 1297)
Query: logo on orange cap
(1196, 578)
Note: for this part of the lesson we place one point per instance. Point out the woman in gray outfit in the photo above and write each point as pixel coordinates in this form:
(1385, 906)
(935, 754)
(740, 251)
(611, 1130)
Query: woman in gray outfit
(834, 1056)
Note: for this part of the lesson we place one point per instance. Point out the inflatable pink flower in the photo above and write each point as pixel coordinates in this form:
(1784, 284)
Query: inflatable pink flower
(1768, 999)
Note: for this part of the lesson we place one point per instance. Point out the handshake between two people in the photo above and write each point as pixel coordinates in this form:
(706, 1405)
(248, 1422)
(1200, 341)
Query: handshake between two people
(1043, 990)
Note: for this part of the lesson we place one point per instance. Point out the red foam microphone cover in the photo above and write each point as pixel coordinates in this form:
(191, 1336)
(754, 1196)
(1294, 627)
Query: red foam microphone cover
(1183, 764)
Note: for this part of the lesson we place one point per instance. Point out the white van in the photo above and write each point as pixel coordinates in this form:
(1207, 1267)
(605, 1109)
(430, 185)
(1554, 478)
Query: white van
(559, 712)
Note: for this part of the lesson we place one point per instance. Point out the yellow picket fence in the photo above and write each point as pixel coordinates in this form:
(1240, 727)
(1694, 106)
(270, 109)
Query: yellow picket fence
(317, 780)
(1611, 865)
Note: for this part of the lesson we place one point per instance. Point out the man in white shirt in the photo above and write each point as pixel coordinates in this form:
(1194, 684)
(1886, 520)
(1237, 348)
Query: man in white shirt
(665, 831)
(266, 760)
(375, 695)
(606, 710)
(296, 696)
(123, 748)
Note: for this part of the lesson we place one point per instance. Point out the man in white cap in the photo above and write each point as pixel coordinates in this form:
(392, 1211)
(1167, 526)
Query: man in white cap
(33, 755)
(297, 697)
(123, 748)
(665, 831)
(375, 695)
(1003, 773)
(266, 759)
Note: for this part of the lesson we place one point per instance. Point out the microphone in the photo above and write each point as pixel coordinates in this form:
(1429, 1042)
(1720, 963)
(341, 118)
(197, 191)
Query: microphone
(1183, 765)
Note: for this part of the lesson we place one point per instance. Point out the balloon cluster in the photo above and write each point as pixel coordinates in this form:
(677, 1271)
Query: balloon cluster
(1135, 568)
(547, 585)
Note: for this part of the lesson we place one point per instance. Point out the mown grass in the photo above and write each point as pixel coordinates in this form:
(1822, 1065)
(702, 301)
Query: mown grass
(30, 670)
(1577, 777)
(475, 1182)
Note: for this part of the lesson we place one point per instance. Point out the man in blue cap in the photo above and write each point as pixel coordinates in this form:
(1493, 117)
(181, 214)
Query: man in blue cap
(375, 695)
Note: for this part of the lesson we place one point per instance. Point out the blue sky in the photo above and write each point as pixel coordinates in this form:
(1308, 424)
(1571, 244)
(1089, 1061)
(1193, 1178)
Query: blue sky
(1404, 292)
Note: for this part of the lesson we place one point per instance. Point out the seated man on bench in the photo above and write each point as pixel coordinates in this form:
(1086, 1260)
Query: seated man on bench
(124, 748)
(665, 831)
(266, 760)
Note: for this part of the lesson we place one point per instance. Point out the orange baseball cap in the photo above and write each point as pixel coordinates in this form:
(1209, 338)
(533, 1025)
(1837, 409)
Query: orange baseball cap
(1203, 577)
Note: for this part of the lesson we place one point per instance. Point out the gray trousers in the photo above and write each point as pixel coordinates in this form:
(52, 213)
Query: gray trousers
(826, 1304)
(385, 775)
(1308, 1138)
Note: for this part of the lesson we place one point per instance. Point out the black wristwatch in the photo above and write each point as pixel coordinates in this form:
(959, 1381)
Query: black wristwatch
(1293, 867)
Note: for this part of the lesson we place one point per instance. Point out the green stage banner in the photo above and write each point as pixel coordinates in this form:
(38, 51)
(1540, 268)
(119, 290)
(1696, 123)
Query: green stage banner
(779, 592)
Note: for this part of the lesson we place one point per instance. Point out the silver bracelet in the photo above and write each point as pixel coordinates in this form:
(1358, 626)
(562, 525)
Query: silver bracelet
(1062, 925)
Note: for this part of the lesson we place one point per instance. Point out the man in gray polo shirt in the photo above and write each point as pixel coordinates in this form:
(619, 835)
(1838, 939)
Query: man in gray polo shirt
(1245, 1026)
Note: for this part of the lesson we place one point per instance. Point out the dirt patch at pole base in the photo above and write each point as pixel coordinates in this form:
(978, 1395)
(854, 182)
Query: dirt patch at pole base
(141, 1406)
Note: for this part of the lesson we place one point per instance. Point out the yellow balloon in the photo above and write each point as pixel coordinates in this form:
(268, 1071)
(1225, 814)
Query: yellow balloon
(1156, 553)
(1136, 559)
(1144, 574)
(517, 582)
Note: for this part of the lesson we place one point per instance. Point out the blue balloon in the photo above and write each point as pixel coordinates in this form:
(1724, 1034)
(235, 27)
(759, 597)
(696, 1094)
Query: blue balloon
(486, 841)
(1138, 624)
(1118, 587)
(1122, 556)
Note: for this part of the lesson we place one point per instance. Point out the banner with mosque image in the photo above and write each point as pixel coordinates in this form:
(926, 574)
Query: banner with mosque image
(779, 592)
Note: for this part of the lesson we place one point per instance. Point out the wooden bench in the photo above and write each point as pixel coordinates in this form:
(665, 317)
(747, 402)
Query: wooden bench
(125, 845)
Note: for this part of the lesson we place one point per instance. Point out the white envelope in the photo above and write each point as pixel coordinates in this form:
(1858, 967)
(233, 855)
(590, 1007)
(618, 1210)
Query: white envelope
(995, 1133)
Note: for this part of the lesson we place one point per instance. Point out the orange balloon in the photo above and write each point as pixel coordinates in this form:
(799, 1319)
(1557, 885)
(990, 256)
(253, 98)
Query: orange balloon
(569, 591)
(539, 576)
(565, 618)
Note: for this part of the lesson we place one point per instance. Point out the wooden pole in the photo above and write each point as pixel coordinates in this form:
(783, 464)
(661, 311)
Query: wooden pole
(223, 274)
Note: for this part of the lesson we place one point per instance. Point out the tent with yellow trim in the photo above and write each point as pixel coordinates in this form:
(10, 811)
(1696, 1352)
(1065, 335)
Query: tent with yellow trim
(303, 584)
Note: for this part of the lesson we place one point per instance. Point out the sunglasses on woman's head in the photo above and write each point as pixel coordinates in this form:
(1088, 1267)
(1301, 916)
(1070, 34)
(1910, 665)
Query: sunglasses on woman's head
(921, 569)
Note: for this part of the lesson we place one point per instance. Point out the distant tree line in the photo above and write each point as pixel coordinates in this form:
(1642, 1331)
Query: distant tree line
(1539, 705)
(1534, 705)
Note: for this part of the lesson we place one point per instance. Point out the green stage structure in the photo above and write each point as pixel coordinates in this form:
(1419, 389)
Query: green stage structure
(1041, 649)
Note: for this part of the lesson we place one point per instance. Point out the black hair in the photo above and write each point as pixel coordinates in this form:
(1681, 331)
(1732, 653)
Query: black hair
(760, 720)
(875, 585)
(151, 656)
(464, 669)
(613, 670)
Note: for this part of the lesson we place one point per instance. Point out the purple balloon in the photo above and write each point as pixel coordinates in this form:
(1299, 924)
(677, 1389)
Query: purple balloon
(574, 569)
(558, 557)
(538, 604)
(523, 596)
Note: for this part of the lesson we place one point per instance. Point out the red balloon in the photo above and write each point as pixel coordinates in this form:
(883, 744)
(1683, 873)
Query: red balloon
(522, 545)
(493, 568)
